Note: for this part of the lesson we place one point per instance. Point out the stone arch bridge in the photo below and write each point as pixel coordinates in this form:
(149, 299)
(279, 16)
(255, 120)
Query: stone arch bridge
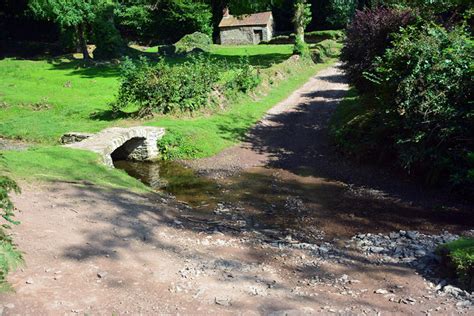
(117, 143)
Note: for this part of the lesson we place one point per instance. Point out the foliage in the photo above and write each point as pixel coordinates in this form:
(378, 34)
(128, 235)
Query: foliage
(10, 257)
(184, 17)
(163, 88)
(424, 84)
(65, 13)
(429, 8)
(195, 42)
(136, 18)
(245, 78)
(459, 256)
(174, 145)
(340, 12)
(76, 14)
(368, 36)
(324, 50)
(109, 43)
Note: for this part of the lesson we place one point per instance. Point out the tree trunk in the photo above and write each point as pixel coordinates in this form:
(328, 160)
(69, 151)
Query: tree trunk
(82, 42)
(299, 18)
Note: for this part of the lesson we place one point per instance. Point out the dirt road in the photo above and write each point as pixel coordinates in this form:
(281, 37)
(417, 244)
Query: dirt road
(91, 250)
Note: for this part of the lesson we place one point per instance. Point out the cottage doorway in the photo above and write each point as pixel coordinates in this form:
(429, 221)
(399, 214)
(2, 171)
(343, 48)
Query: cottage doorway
(257, 36)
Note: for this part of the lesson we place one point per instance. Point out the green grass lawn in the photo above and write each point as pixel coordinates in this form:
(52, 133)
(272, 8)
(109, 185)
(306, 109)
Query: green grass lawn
(41, 100)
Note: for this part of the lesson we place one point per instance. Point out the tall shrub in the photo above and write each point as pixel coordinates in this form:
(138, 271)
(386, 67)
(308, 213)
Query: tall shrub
(368, 36)
(425, 83)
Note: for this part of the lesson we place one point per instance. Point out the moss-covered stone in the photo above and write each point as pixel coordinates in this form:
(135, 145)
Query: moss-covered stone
(195, 42)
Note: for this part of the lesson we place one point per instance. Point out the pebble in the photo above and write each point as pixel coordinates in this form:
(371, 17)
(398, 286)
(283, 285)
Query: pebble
(381, 291)
(223, 301)
(463, 303)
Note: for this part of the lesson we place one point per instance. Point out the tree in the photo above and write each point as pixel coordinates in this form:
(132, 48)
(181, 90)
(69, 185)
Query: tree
(301, 19)
(68, 14)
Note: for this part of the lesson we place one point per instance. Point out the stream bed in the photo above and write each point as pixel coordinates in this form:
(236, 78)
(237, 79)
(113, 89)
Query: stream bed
(311, 208)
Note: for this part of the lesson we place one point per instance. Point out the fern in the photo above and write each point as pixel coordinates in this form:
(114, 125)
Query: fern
(10, 257)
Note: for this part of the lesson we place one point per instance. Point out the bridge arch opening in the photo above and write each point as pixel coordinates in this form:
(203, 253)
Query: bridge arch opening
(133, 149)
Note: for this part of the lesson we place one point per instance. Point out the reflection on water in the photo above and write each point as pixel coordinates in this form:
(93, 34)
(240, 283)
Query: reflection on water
(176, 179)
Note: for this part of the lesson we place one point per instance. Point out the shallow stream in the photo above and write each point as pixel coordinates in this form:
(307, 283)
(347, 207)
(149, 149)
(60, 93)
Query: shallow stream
(309, 207)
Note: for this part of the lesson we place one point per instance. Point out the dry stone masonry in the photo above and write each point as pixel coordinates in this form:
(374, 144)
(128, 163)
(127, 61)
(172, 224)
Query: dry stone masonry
(116, 143)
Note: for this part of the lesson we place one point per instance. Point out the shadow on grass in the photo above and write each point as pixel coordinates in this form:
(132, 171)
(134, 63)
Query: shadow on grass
(110, 115)
(235, 127)
(77, 67)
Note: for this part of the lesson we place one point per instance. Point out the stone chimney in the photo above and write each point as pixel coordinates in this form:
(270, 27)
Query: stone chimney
(226, 12)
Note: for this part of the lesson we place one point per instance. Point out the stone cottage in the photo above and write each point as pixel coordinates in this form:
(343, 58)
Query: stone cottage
(246, 29)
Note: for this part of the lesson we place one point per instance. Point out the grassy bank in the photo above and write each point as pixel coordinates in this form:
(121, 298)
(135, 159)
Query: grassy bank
(54, 163)
(203, 135)
(42, 99)
(458, 260)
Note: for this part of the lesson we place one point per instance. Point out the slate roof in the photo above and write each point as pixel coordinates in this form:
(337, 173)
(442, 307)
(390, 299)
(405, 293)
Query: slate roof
(261, 18)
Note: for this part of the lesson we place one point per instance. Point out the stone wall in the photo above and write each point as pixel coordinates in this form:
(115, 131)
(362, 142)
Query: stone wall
(245, 35)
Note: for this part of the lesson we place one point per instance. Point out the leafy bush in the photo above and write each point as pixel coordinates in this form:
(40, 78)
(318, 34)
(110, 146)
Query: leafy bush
(109, 43)
(245, 78)
(368, 36)
(10, 257)
(458, 257)
(174, 146)
(163, 88)
(195, 42)
(424, 84)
